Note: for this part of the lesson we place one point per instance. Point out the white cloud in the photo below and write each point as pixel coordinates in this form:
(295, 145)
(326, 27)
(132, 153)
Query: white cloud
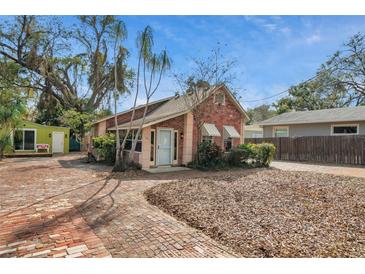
(312, 39)
(170, 33)
(285, 30)
(269, 24)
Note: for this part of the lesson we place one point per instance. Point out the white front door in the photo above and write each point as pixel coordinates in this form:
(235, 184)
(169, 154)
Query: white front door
(58, 142)
(164, 146)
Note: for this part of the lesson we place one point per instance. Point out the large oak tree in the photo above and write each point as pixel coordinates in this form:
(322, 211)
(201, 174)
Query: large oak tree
(71, 65)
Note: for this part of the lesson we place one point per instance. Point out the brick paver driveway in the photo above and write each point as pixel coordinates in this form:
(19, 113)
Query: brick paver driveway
(321, 168)
(61, 207)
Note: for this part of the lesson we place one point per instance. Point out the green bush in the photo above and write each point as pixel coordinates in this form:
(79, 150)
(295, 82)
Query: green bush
(264, 153)
(209, 157)
(105, 147)
(257, 155)
(209, 151)
(239, 157)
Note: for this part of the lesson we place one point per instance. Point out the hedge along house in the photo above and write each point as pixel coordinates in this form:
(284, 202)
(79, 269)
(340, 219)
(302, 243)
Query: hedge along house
(171, 134)
(32, 138)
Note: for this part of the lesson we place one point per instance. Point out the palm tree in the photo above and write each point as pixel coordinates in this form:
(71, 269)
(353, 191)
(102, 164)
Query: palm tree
(153, 66)
(157, 65)
(144, 43)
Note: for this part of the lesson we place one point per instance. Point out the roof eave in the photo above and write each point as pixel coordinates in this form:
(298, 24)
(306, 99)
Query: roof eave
(310, 122)
(152, 122)
(131, 109)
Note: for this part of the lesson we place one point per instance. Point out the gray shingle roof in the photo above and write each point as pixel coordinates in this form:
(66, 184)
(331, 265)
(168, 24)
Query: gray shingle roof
(175, 106)
(131, 109)
(318, 116)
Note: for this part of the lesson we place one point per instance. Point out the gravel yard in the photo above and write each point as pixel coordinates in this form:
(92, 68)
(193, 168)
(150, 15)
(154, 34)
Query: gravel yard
(272, 213)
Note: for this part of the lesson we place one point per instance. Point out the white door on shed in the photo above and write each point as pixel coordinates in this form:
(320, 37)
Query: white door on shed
(58, 141)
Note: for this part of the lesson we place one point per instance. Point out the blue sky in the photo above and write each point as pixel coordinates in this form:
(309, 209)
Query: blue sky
(273, 52)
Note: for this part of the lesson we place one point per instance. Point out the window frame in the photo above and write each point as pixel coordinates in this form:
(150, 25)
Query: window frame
(280, 127)
(344, 125)
(133, 130)
(224, 98)
(23, 130)
(230, 139)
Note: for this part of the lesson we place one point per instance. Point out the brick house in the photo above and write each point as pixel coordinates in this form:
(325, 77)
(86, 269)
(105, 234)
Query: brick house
(171, 133)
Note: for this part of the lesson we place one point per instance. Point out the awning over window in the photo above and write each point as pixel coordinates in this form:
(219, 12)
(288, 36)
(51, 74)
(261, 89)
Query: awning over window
(210, 130)
(230, 132)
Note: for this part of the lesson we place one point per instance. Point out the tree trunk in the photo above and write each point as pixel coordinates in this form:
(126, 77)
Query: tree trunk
(118, 163)
(125, 163)
(134, 143)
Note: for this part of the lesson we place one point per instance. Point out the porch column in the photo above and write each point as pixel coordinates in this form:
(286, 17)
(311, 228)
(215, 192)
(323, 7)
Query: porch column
(242, 137)
(101, 128)
(188, 138)
(146, 147)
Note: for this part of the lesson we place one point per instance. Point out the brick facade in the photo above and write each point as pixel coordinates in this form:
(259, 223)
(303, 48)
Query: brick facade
(220, 115)
(189, 135)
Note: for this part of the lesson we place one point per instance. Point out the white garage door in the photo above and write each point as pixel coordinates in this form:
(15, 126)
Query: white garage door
(58, 140)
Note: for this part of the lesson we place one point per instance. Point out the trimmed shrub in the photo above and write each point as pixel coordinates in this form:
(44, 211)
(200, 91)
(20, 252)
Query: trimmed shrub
(239, 157)
(264, 153)
(209, 157)
(105, 147)
(259, 154)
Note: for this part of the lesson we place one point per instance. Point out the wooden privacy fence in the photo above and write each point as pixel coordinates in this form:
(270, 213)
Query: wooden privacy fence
(327, 149)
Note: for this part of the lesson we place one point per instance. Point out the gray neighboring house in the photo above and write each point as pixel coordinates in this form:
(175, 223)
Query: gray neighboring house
(325, 122)
(253, 131)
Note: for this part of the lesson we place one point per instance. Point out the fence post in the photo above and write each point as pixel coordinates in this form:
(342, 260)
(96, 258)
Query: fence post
(279, 148)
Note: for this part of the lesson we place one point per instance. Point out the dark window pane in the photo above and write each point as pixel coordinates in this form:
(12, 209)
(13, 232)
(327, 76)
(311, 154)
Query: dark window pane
(18, 140)
(208, 139)
(139, 146)
(152, 137)
(152, 153)
(128, 145)
(345, 130)
(175, 145)
(219, 98)
(122, 134)
(29, 140)
(228, 144)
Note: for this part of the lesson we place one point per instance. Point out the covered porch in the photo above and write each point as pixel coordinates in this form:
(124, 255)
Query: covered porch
(163, 144)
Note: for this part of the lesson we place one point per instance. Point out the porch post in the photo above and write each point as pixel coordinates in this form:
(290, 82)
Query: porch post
(188, 138)
(146, 147)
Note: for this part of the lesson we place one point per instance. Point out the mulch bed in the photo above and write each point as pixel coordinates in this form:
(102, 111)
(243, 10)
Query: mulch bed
(272, 213)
